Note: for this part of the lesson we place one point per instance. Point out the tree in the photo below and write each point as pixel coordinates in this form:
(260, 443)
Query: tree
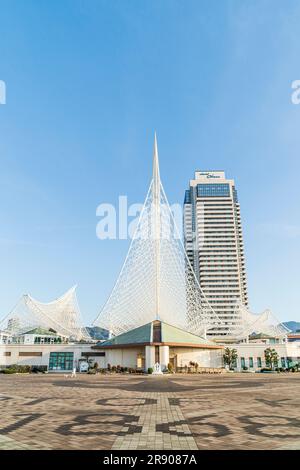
(230, 357)
(271, 357)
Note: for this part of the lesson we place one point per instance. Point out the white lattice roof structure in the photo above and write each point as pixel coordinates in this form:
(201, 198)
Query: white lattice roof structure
(247, 324)
(157, 280)
(62, 315)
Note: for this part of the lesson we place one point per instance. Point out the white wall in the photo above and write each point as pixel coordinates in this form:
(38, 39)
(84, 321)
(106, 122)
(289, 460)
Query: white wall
(256, 350)
(205, 358)
(43, 360)
(126, 357)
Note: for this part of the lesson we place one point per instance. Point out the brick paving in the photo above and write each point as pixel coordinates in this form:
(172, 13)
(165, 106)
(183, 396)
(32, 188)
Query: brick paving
(230, 411)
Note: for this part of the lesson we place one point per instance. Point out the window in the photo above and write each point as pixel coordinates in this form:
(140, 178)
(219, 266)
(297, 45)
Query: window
(187, 197)
(243, 362)
(28, 353)
(213, 190)
(250, 362)
(259, 362)
(93, 354)
(156, 332)
(61, 361)
(140, 361)
(283, 363)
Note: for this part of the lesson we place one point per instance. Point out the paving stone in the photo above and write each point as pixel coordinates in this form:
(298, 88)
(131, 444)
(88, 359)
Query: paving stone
(234, 411)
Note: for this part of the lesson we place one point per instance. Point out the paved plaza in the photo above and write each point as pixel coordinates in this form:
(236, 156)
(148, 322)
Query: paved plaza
(228, 411)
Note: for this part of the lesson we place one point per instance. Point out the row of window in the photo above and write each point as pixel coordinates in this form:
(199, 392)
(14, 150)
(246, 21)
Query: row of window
(283, 362)
(236, 295)
(24, 353)
(205, 276)
(214, 205)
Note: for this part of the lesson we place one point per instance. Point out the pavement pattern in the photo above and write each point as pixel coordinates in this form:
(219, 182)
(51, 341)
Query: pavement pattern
(228, 411)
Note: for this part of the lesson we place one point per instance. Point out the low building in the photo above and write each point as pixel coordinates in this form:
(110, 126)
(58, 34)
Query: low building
(5, 337)
(39, 336)
(55, 357)
(159, 342)
(292, 337)
(252, 355)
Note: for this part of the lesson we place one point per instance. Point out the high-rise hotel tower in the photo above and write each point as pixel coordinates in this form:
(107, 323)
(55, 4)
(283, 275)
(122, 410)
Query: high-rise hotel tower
(214, 243)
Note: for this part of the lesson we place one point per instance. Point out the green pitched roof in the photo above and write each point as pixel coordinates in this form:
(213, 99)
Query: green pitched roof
(172, 334)
(41, 331)
(144, 335)
(260, 336)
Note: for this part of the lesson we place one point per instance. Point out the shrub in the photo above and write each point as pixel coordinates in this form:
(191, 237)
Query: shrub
(15, 368)
(8, 371)
(150, 370)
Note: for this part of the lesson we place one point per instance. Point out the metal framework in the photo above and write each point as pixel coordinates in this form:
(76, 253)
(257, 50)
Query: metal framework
(62, 315)
(247, 323)
(157, 280)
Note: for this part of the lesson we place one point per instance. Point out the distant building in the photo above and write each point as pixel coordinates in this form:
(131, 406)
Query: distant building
(214, 243)
(292, 337)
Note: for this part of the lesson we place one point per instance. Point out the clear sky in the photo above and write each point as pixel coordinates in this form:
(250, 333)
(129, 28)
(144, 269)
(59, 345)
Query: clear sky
(89, 81)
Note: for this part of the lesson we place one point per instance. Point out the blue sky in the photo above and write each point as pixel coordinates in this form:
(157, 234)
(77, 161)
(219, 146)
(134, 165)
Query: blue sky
(88, 82)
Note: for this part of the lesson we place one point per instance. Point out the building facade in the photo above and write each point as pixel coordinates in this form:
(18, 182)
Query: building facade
(214, 243)
(51, 357)
(140, 348)
(252, 355)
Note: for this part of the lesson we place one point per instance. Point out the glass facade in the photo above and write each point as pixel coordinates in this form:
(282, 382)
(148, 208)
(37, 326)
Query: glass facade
(61, 361)
(187, 197)
(213, 190)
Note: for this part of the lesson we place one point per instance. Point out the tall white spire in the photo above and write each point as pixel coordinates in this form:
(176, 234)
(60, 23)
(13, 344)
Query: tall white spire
(156, 176)
(156, 223)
